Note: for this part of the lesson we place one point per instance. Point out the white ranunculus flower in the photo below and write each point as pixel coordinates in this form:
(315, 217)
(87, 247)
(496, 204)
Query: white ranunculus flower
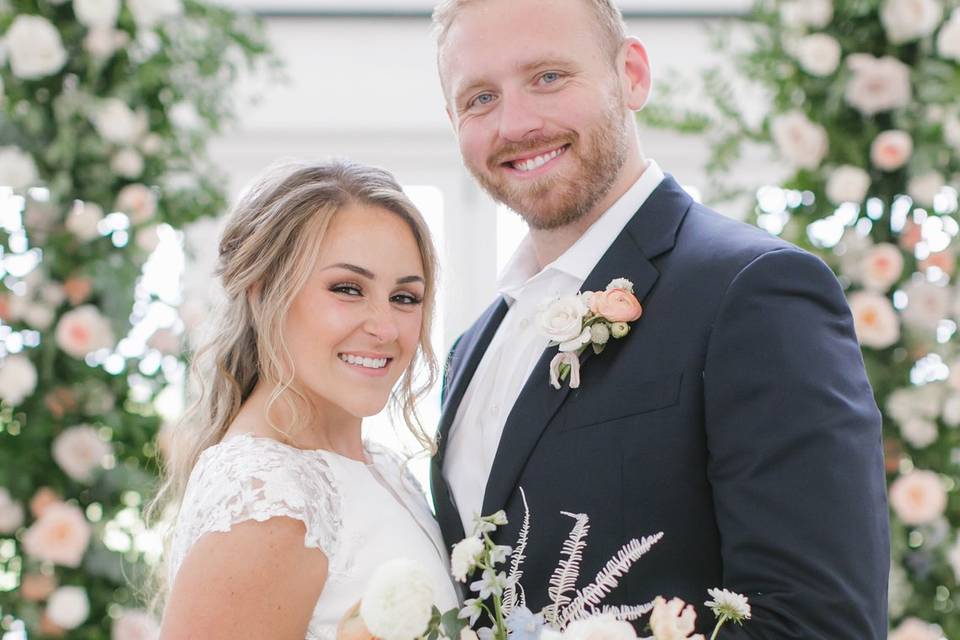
(68, 607)
(925, 187)
(819, 54)
(562, 319)
(398, 601)
(891, 150)
(907, 20)
(34, 47)
(919, 433)
(118, 123)
(878, 84)
(11, 513)
(17, 168)
(83, 219)
(927, 305)
(801, 141)
(464, 557)
(916, 629)
(149, 13)
(18, 379)
(134, 624)
(948, 40)
(603, 626)
(127, 163)
(96, 13)
(83, 330)
(874, 319)
(848, 184)
(881, 267)
(79, 451)
(918, 497)
(104, 42)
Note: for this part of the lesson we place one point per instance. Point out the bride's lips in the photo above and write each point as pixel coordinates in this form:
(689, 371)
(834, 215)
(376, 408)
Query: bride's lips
(367, 363)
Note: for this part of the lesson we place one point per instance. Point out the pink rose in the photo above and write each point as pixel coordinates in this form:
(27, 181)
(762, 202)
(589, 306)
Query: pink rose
(891, 150)
(918, 497)
(82, 330)
(60, 535)
(616, 305)
(42, 500)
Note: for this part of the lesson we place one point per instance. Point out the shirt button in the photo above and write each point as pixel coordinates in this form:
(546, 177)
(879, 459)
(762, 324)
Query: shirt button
(524, 323)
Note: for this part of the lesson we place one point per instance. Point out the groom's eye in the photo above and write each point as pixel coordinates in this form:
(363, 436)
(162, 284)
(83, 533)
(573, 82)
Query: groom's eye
(481, 100)
(550, 77)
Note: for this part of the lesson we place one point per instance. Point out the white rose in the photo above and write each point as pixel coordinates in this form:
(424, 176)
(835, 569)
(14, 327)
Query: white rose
(83, 330)
(891, 150)
(18, 379)
(950, 413)
(34, 47)
(793, 15)
(127, 163)
(953, 557)
(11, 513)
(878, 84)
(17, 168)
(185, 116)
(907, 20)
(919, 433)
(874, 319)
(148, 13)
(924, 188)
(83, 219)
(948, 40)
(881, 267)
(562, 319)
(819, 54)
(398, 601)
(916, 629)
(918, 497)
(96, 13)
(464, 557)
(801, 141)
(927, 305)
(819, 13)
(138, 201)
(79, 451)
(104, 42)
(135, 625)
(118, 123)
(152, 144)
(68, 607)
(604, 627)
(848, 184)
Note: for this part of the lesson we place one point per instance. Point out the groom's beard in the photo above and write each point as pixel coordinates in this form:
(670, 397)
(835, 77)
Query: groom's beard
(565, 196)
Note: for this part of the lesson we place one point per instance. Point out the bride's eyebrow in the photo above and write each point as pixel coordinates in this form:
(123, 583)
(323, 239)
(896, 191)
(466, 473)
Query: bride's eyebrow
(366, 273)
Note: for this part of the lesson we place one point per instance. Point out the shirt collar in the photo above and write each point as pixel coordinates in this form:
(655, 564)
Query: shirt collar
(581, 258)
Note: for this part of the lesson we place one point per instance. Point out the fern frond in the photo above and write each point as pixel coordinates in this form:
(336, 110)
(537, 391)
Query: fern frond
(608, 578)
(513, 595)
(564, 578)
(627, 613)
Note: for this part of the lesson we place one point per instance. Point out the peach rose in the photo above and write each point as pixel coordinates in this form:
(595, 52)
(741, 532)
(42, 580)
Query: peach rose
(77, 289)
(616, 305)
(42, 500)
(84, 330)
(918, 497)
(891, 150)
(37, 586)
(874, 319)
(882, 266)
(61, 535)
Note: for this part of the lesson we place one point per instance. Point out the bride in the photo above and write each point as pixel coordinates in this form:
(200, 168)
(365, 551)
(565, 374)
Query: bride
(284, 511)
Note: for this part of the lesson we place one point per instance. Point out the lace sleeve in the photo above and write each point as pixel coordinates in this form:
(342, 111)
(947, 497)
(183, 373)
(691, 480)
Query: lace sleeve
(248, 478)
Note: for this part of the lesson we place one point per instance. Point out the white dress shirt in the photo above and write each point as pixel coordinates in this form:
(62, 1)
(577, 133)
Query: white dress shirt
(518, 345)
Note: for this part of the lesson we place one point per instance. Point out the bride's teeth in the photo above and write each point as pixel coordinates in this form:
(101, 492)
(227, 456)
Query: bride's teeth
(539, 161)
(369, 363)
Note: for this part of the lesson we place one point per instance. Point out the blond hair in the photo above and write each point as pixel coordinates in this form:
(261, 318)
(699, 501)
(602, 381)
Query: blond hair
(608, 20)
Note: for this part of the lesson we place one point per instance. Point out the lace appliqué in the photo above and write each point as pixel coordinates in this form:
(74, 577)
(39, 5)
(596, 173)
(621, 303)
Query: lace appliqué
(250, 478)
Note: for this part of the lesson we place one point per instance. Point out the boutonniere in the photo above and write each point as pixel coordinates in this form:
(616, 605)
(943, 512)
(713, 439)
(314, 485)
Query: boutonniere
(588, 319)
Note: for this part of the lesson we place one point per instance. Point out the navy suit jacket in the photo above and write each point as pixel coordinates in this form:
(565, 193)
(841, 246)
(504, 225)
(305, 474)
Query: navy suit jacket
(736, 418)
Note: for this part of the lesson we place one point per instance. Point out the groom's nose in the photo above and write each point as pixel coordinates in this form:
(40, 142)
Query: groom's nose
(518, 116)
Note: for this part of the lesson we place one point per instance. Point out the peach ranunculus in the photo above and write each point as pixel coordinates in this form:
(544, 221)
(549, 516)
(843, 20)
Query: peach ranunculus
(35, 587)
(84, 330)
(61, 535)
(916, 629)
(42, 500)
(135, 624)
(874, 319)
(891, 150)
(918, 497)
(616, 305)
(881, 268)
(79, 451)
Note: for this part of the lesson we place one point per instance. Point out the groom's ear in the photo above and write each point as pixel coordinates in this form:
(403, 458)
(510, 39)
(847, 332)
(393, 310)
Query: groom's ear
(634, 67)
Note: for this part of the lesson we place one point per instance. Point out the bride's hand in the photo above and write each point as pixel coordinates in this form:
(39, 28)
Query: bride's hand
(352, 627)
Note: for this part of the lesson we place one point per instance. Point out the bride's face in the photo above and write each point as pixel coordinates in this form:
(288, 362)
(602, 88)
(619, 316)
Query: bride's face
(355, 326)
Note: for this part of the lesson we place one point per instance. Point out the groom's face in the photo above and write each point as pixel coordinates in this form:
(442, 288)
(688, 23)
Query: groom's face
(537, 105)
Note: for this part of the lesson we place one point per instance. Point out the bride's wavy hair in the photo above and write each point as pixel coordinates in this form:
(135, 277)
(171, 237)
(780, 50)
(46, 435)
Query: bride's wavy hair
(268, 248)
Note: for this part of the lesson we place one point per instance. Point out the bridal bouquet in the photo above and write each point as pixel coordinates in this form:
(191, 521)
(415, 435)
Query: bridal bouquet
(398, 602)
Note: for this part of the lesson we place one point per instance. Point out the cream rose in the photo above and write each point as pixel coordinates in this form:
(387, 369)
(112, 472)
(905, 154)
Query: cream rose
(602, 627)
(562, 319)
(819, 54)
(881, 267)
(79, 451)
(134, 624)
(920, 433)
(17, 168)
(874, 319)
(918, 497)
(927, 304)
(83, 330)
(68, 607)
(83, 220)
(11, 512)
(878, 84)
(908, 20)
(137, 201)
(18, 379)
(96, 13)
(149, 13)
(118, 123)
(915, 629)
(948, 40)
(127, 163)
(60, 536)
(34, 47)
(848, 184)
(104, 42)
(891, 150)
(802, 142)
(925, 187)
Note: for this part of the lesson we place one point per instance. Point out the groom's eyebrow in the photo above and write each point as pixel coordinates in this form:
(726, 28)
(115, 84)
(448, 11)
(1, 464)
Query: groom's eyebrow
(366, 273)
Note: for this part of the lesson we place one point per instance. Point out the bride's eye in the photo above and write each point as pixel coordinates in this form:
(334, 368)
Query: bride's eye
(406, 299)
(347, 289)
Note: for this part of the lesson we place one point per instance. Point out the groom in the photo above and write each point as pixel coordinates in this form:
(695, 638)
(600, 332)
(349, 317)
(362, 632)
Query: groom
(735, 417)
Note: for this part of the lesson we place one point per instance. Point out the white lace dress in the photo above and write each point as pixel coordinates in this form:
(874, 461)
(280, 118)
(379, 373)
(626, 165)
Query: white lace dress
(360, 515)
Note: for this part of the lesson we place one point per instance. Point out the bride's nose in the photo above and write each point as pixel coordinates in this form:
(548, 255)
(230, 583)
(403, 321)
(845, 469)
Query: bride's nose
(381, 324)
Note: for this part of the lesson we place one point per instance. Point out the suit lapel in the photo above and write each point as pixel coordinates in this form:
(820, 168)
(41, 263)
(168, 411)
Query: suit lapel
(651, 232)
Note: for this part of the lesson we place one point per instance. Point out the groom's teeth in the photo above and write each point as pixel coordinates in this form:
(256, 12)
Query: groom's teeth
(369, 363)
(539, 161)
